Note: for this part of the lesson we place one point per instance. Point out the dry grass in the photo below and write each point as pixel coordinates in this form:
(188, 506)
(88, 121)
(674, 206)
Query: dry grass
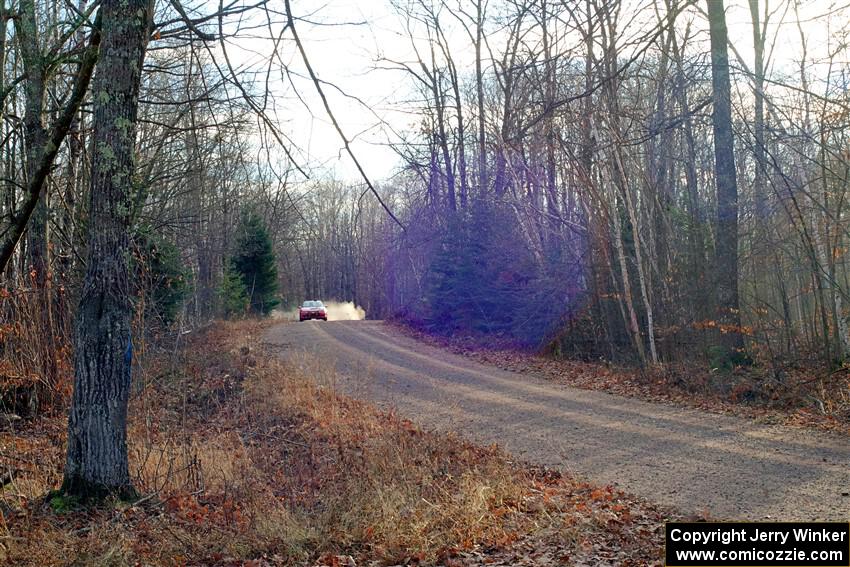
(244, 457)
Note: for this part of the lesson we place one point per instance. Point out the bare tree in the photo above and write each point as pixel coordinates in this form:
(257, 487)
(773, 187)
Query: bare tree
(97, 426)
(726, 234)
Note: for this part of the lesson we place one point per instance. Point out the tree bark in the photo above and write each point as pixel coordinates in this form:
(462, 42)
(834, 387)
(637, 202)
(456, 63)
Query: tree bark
(97, 426)
(758, 122)
(634, 326)
(727, 184)
(33, 61)
(479, 91)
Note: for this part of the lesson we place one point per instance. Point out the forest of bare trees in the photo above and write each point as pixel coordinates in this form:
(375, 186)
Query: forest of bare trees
(618, 180)
(636, 181)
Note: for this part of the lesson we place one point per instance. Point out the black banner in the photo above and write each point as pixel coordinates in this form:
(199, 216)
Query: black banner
(757, 544)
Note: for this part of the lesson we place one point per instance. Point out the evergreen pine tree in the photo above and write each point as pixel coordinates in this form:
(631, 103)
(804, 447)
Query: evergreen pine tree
(254, 262)
(159, 273)
(478, 277)
(231, 292)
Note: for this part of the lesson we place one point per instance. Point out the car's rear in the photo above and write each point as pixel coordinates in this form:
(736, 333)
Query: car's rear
(312, 310)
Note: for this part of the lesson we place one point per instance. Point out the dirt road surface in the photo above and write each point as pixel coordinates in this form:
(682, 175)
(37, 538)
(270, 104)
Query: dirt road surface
(696, 462)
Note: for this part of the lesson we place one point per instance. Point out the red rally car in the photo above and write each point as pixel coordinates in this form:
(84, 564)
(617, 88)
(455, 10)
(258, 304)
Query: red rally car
(312, 310)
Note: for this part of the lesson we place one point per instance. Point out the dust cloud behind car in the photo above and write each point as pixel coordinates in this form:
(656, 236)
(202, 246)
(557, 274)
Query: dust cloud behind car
(337, 311)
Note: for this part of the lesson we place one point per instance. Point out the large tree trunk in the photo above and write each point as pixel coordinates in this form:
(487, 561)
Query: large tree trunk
(97, 426)
(727, 184)
(35, 131)
(37, 261)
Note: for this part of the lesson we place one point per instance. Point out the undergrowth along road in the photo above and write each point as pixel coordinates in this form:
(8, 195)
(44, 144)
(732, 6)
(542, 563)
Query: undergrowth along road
(245, 459)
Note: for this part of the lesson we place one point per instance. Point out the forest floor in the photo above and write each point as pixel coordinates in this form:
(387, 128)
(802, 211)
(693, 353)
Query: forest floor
(246, 459)
(699, 462)
(808, 397)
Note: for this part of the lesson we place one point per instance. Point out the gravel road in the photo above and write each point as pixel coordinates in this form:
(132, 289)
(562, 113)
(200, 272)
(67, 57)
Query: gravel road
(694, 461)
